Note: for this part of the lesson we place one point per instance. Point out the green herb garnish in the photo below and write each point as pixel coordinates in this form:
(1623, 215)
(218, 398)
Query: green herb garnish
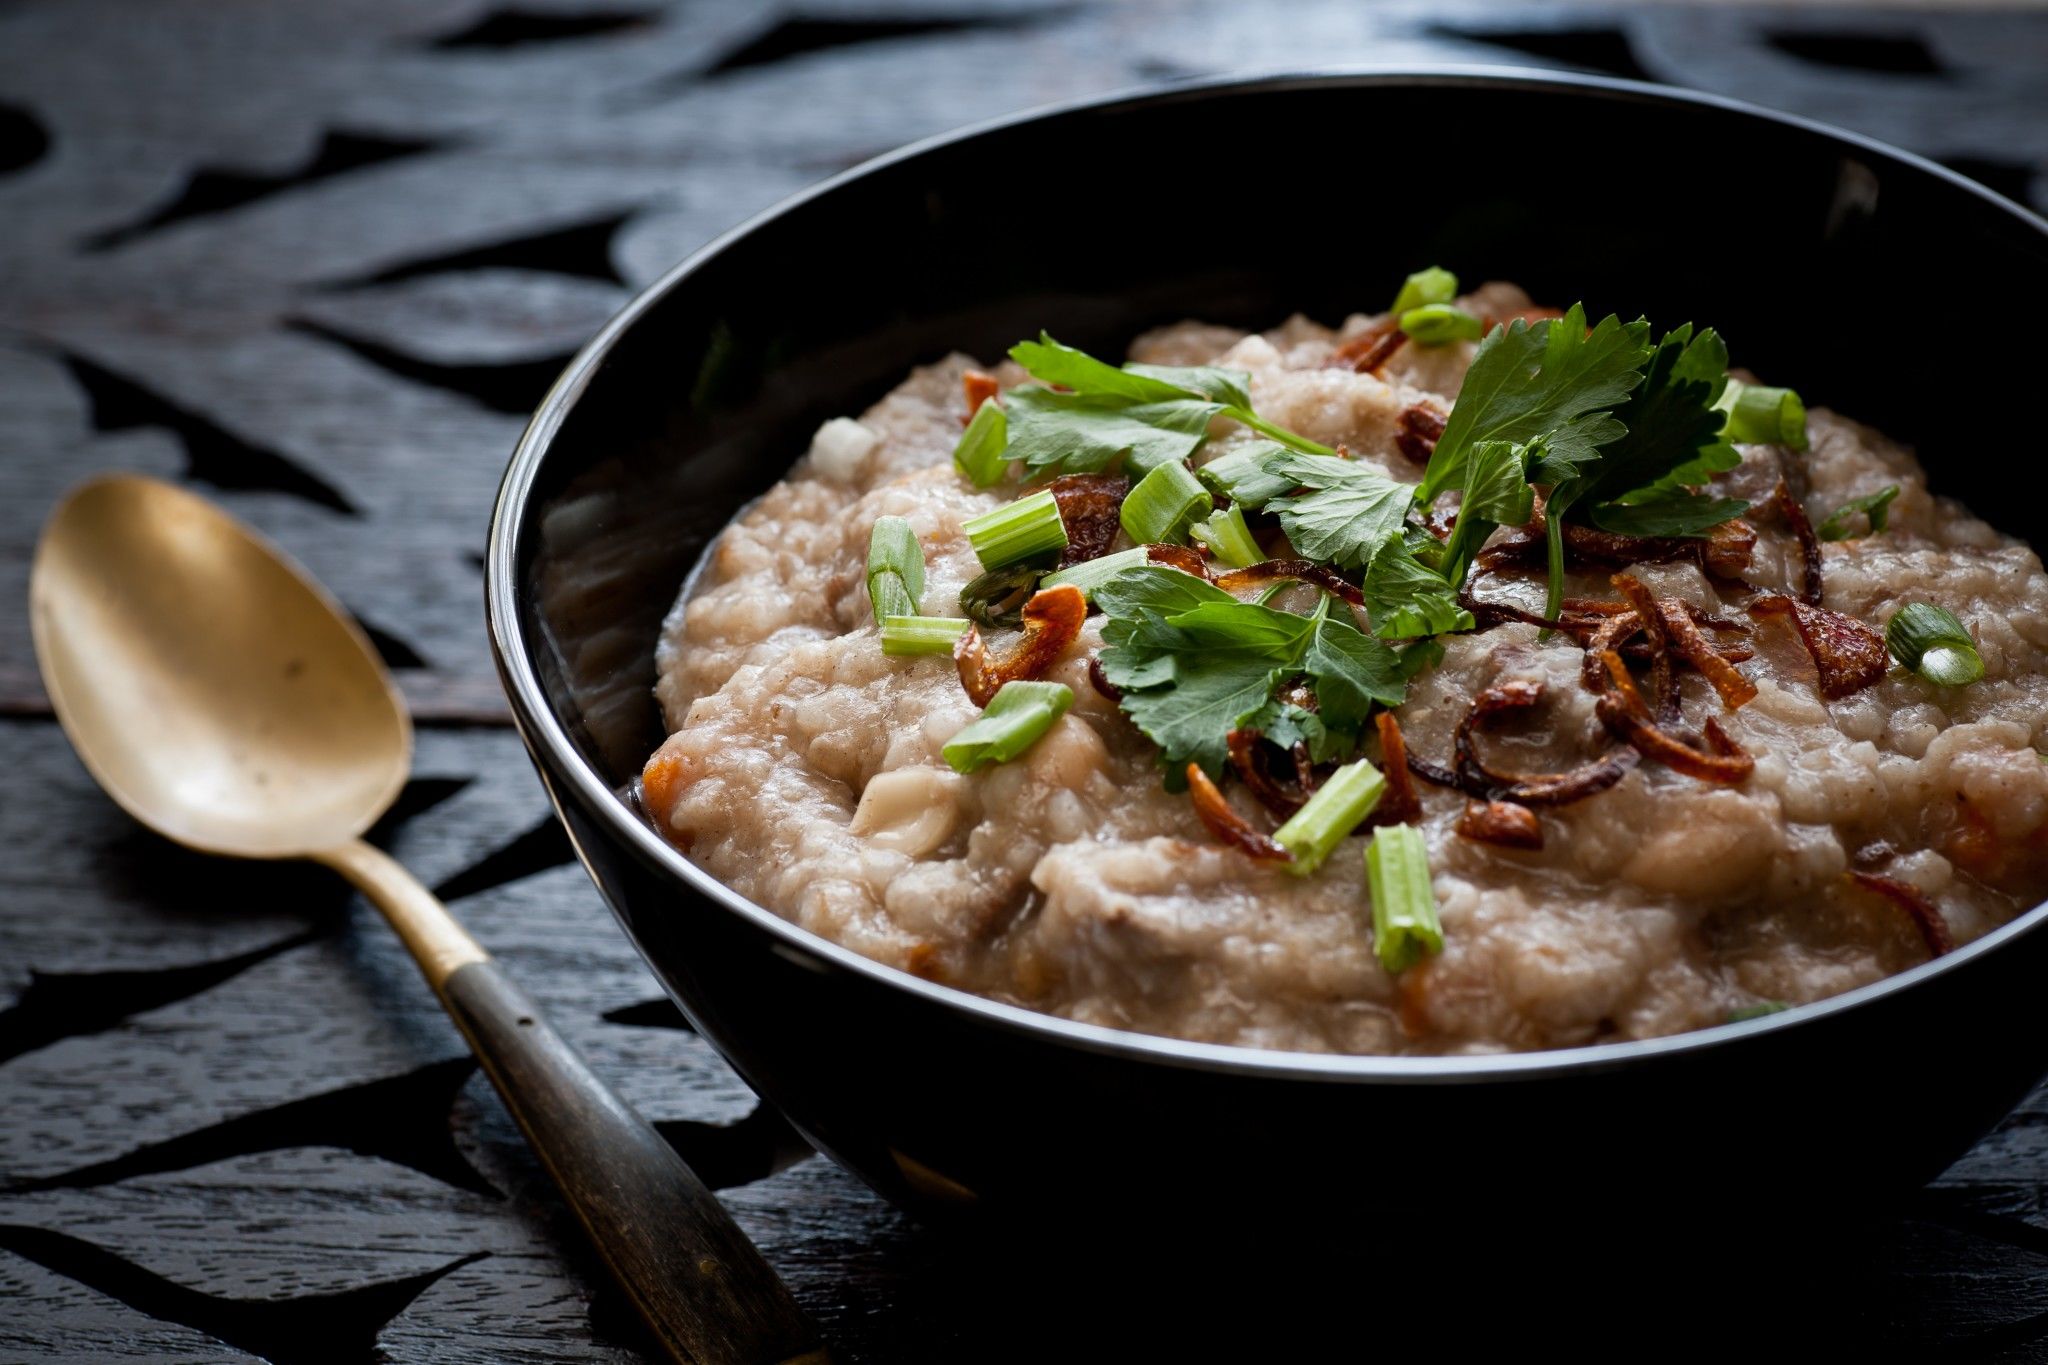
(1017, 532)
(1406, 598)
(1228, 538)
(996, 598)
(1759, 1010)
(1764, 416)
(895, 568)
(1347, 512)
(1241, 475)
(1016, 716)
(1439, 324)
(1148, 414)
(1091, 574)
(906, 635)
(1875, 508)
(1405, 928)
(1934, 643)
(1336, 808)
(979, 455)
(1431, 285)
(1194, 663)
(1162, 505)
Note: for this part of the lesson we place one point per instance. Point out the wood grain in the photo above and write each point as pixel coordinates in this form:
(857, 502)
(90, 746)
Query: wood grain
(314, 260)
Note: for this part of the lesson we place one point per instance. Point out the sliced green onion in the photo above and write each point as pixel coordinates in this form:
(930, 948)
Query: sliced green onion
(1242, 477)
(1404, 923)
(1018, 531)
(996, 599)
(1763, 416)
(1312, 832)
(1757, 1011)
(1933, 643)
(1228, 538)
(979, 456)
(1016, 716)
(921, 634)
(1439, 324)
(1434, 285)
(895, 568)
(1876, 507)
(1164, 502)
(1093, 573)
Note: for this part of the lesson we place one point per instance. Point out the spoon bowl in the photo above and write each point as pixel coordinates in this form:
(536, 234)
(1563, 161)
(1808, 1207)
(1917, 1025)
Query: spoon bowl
(218, 694)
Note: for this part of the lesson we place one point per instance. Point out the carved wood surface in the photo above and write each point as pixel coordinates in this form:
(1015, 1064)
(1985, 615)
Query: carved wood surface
(316, 261)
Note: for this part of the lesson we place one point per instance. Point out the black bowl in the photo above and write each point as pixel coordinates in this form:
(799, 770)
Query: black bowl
(1878, 283)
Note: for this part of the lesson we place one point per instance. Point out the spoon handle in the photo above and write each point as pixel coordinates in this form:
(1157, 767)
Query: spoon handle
(700, 1284)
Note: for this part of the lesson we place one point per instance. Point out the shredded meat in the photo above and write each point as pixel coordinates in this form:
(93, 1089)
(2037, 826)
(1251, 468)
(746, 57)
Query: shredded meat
(1809, 543)
(1226, 824)
(1482, 783)
(1052, 618)
(1622, 711)
(1302, 570)
(1400, 804)
(979, 386)
(1420, 426)
(1089, 505)
(1502, 823)
(1925, 915)
(1848, 655)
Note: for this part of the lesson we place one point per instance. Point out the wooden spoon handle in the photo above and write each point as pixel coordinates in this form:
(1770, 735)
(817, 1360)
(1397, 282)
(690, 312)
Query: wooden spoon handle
(700, 1284)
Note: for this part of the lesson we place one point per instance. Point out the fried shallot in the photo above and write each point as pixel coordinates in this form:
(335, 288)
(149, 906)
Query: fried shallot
(1090, 505)
(1370, 349)
(1419, 427)
(1501, 823)
(1926, 916)
(1249, 750)
(1809, 543)
(1180, 557)
(1226, 824)
(1482, 783)
(1052, 618)
(1622, 711)
(979, 386)
(1400, 804)
(1299, 570)
(1847, 654)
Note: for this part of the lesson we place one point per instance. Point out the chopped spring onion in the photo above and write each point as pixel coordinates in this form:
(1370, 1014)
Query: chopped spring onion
(1439, 324)
(1017, 531)
(1093, 573)
(895, 568)
(979, 456)
(1228, 538)
(1404, 923)
(1763, 416)
(1434, 285)
(921, 634)
(996, 599)
(1242, 475)
(1313, 832)
(1757, 1011)
(1933, 643)
(1164, 503)
(1016, 716)
(1876, 507)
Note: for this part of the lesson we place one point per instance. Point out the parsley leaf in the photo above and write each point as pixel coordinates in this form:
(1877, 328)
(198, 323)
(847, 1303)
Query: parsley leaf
(1349, 511)
(1147, 414)
(1553, 381)
(1405, 597)
(1194, 663)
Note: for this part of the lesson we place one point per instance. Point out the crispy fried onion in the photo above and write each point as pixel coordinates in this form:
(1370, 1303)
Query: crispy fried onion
(1182, 557)
(1482, 783)
(1252, 759)
(1226, 824)
(978, 386)
(1052, 618)
(1809, 543)
(1300, 570)
(1723, 552)
(1694, 647)
(1400, 803)
(1663, 686)
(1848, 654)
(1622, 710)
(1923, 912)
(1419, 427)
(1098, 680)
(1089, 507)
(1370, 349)
(1502, 823)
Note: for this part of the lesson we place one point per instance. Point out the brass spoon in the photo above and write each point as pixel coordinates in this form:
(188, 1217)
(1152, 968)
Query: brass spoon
(227, 702)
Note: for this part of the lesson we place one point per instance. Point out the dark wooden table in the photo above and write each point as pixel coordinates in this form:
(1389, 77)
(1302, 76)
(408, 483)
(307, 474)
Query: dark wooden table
(316, 260)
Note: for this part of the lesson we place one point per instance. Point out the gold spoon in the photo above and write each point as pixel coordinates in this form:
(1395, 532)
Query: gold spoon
(227, 702)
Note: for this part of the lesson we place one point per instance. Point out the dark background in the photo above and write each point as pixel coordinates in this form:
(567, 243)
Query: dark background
(316, 260)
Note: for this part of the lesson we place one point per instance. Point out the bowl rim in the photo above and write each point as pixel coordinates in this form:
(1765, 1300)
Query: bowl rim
(559, 760)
